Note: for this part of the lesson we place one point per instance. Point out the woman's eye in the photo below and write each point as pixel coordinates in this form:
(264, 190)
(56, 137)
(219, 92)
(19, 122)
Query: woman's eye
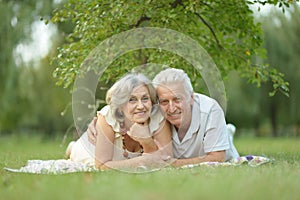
(145, 99)
(132, 100)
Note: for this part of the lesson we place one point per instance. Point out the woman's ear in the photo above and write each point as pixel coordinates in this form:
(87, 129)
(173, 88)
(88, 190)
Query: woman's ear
(119, 115)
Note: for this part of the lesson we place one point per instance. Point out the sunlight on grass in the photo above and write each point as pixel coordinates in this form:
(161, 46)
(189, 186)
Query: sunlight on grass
(270, 181)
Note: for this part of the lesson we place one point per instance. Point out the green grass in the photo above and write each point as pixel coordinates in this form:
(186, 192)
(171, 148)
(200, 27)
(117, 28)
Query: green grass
(279, 180)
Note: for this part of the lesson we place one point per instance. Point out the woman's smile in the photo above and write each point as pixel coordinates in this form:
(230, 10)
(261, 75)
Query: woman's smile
(139, 105)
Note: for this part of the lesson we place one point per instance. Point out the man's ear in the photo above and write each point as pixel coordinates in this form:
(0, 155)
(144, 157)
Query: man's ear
(192, 99)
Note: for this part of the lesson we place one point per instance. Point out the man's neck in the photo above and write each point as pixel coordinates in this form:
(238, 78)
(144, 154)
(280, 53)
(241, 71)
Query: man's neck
(184, 126)
(181, 132)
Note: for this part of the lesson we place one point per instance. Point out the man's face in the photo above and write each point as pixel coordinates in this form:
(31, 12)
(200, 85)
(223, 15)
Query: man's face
(175, 103)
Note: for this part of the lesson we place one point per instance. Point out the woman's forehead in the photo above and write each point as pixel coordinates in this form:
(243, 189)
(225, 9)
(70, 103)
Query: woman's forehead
(140, 89)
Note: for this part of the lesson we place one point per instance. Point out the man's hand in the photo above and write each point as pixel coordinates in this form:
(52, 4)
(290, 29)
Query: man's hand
(92, 132)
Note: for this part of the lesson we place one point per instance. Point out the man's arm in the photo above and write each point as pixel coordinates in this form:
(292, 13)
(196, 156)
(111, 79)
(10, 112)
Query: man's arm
(216, 156)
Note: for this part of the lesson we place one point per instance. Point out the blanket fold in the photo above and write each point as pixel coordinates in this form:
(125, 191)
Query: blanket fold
(251, 160)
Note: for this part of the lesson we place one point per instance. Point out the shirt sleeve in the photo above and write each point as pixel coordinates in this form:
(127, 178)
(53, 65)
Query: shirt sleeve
(215, 136)
(105, 112)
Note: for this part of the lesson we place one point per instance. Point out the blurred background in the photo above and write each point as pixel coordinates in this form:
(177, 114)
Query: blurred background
(30, 101)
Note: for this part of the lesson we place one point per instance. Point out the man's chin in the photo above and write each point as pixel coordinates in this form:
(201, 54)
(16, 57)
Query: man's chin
(174, 121)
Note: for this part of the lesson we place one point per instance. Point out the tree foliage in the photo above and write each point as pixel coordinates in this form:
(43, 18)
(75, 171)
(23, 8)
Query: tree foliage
(226, 30)
(15, 17)
(279, 115)
(29, 98)
(282, 42)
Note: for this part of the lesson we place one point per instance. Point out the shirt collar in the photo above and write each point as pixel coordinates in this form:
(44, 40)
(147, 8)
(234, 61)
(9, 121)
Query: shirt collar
(195, 122)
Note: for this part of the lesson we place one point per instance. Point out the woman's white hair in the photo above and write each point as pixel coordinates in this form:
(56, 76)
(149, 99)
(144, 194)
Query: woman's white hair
(120, 92)
(173, 75)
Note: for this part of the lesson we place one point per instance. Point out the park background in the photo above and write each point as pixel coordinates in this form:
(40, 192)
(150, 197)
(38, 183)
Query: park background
(31, 101)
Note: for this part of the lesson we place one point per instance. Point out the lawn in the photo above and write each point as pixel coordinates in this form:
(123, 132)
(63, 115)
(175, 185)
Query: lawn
(279, 180)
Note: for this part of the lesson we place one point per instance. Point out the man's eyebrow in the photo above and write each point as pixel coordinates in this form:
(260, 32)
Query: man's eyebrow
(162, 99)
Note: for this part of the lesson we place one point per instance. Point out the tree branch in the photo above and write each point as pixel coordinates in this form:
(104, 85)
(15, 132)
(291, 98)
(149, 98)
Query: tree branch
(141, 20)
(210, 28)
(179, 2)
(176, 3)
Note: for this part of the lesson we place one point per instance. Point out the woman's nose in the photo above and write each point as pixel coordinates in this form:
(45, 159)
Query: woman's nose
(140, 104)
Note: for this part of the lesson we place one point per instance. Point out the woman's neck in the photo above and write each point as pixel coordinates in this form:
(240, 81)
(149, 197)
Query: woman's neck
(126, 124)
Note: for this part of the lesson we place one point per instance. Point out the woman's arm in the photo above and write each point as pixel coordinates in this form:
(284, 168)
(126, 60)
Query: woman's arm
(104, 148)
(163, 139)
(141, 134)
(104, 151)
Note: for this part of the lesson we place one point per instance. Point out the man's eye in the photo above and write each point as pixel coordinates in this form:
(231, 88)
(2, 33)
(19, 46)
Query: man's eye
(163, 102)
(177, 99)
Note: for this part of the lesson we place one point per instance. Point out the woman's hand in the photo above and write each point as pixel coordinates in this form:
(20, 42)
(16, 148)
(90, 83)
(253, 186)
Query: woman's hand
(141, 134)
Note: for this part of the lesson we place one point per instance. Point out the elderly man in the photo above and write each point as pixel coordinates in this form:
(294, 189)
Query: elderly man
(199, 130)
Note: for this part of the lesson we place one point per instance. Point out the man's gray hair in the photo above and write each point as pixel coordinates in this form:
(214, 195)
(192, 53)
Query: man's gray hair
(173, 75)
(120, 92)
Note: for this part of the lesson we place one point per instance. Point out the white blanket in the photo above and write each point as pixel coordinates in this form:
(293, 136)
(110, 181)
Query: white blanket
(63, 166)
(60, 166)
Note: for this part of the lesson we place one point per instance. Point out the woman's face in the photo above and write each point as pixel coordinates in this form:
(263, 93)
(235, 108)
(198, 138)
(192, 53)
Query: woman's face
(139, 105)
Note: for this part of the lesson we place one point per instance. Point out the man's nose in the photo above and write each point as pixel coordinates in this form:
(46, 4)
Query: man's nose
(172, 106)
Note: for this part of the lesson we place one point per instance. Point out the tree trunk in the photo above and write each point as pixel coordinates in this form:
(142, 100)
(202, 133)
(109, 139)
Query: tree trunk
(273, 112)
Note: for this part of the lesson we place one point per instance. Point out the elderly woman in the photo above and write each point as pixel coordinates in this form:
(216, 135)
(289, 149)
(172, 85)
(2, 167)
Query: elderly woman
(130, 125)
